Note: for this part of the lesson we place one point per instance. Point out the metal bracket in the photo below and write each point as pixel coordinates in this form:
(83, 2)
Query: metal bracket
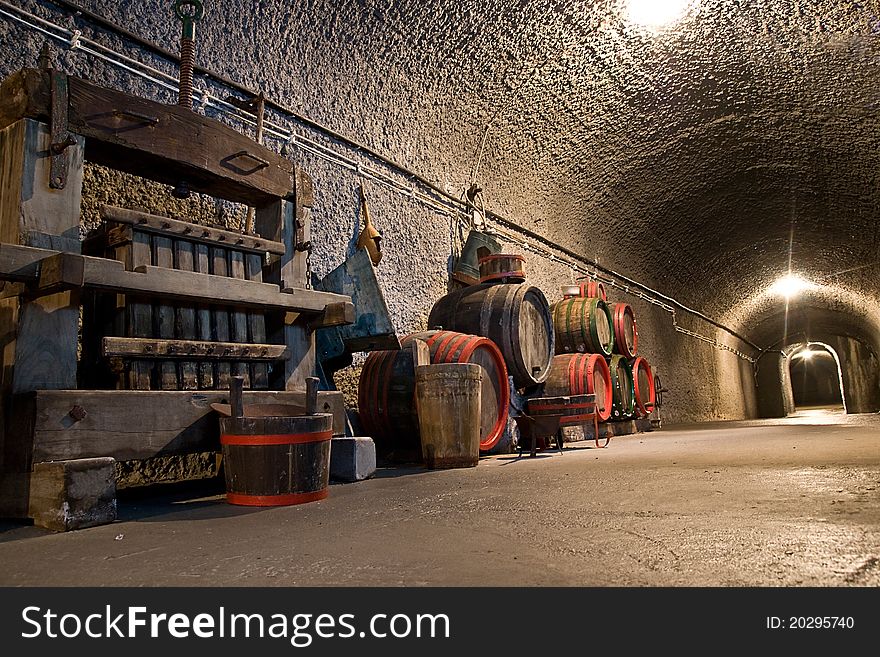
(60, 136)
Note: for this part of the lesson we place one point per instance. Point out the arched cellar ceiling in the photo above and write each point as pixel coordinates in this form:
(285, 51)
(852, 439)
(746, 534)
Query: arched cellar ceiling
(686, 157)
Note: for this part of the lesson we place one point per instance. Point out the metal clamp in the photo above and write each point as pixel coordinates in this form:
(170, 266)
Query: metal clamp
(60, 137)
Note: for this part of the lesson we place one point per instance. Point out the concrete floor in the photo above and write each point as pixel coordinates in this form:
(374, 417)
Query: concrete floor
(766, 503)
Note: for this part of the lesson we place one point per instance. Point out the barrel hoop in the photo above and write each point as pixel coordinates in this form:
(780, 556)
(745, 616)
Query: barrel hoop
(568, 330)
(581, 388)
(440, 353)
(591, 323)
(453, 348)
(559, 407)
(366, 393)
(512, 319)
(501, 256)
(572, 376)
(486, 310)
(275, 438)
(495, 434)
(244, 499)
(501, 275)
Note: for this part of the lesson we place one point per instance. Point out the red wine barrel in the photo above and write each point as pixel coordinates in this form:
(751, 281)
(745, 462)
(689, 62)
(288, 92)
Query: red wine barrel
(591, 289)
(386, 392)
(643, 384)
(626, 335)
(515, 317)
(581, 374)
(582, 325)
(623, 395)
(273, 461)
(502, 268)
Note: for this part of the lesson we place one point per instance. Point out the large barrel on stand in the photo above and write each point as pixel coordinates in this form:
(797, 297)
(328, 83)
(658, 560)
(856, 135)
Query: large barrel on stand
(626, 336)
(644, 386)
(386, 391)
(582, 325)
(581, 374)
(515, 317)
(273, 461)
(623, 394)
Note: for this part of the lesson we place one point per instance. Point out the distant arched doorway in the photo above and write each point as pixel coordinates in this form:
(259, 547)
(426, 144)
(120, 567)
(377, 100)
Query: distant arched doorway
(816, 380)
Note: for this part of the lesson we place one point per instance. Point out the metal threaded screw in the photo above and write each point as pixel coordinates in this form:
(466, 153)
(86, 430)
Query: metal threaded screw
(189, 12)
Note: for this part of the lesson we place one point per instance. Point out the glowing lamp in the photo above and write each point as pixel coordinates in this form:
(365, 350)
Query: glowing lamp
(656, 13)
(790, 286)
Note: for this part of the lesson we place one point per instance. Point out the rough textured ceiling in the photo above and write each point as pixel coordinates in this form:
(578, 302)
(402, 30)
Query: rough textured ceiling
(690, 156)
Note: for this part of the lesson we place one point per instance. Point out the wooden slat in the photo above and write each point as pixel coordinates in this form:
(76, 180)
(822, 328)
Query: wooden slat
(140, 314)
(185, 325)
(256, 323)
(238, 318)
(163, 321)
(191, 349)
(183, 229)
(203, 317)
(132, 424)
(109, 275)
(220, 267)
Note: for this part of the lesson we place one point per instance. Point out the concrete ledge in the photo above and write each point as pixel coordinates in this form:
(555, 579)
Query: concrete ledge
(66, 495)
(352, 458)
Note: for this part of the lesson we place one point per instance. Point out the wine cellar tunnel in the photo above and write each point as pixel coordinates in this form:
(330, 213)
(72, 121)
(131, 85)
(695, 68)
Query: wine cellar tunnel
(712, 164)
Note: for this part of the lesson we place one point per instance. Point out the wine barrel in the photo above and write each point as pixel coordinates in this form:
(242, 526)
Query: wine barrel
(623, 394)
(274, 461)
(502, 268)
(515, 317)
(643, 385)
(580, 374)
(591, 289)
(386, 391)
(626, 335)
(582, 324)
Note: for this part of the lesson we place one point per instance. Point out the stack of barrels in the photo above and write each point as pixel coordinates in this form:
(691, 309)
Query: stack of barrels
(597, 353)
(503, 324)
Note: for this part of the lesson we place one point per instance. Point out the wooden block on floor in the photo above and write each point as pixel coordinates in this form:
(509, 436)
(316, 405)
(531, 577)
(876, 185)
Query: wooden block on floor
(66, 495)
(352, 458)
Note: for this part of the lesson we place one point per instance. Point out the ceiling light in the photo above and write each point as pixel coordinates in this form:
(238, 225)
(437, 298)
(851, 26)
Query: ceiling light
(656, 13)
(790, 286)
(806, 354)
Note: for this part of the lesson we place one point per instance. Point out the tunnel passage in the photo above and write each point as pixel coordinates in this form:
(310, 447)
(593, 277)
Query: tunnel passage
(814, 373)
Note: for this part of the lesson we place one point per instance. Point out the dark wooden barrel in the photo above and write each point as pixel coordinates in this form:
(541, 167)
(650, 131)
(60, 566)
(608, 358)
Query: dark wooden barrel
(386, 392)
(502, 268)
(515, 317)
(626, 335)
(643, 385)
(582, 325)
(580, 374)
(274, 461)
(623, 393)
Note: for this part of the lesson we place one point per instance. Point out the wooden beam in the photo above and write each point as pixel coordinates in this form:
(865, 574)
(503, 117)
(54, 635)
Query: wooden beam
(190, 349)
(110, 275)
(335, 314)
(177, 228)
(137, 424)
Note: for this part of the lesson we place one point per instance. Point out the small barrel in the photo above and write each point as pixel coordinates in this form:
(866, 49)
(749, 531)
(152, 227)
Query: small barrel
(515, 317)
(590, 289)
(502, 268)
(448, 398)
(275, 461)
(623, 394)
(574, 409)
(644, 386)
(386, 392)
(626, 335)
(582, 325)
(580, 374)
